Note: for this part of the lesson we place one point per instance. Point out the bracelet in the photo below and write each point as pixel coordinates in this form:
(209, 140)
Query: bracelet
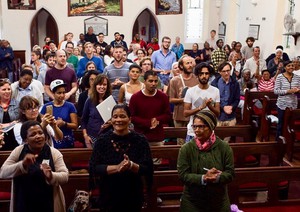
(131, 165)
(66, 124)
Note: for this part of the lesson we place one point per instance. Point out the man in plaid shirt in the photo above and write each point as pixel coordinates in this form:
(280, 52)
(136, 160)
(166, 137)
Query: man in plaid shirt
(218, 56)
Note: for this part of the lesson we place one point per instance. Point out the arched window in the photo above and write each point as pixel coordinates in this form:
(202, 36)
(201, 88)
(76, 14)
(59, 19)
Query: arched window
(194, 21)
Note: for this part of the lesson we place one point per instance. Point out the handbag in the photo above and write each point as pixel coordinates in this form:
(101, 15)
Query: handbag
(80, 202)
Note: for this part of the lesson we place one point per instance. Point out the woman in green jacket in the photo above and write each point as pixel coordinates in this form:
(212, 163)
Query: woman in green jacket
(206, 166)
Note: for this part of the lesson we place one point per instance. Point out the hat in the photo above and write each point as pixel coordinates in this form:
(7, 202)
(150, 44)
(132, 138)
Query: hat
(208, 118)
(57, 83)
(287, 62)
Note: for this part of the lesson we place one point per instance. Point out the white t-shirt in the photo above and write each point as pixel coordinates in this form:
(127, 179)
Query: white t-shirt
(297, 72)
(196, 96)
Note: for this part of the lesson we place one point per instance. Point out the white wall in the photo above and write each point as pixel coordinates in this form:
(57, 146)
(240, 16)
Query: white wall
(16, 23)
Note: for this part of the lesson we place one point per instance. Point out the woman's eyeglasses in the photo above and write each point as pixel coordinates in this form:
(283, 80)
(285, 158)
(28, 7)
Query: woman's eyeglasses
(200, 126)
(33, 109)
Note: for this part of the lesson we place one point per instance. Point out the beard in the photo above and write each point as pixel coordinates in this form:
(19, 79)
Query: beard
(186, 71)
(203, 81)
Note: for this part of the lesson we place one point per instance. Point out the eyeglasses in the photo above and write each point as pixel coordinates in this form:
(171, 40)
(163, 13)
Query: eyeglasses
(203, 73)
(225, 71)
(33, 109)
(200, 126)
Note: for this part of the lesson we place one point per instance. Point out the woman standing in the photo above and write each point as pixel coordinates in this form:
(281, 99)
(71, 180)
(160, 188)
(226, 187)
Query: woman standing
(37, 171)
(29, 110)
(64, 113)
(286, 87)
(196, 53)
(87, 84)
(131, 87)
(9, 112)
(141, 53)
(108, 55)
(205, 165)
(120, 158)
(37, 65)
(91, 120)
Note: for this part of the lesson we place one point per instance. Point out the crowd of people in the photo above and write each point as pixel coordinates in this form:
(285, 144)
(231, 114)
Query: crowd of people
(154, 86)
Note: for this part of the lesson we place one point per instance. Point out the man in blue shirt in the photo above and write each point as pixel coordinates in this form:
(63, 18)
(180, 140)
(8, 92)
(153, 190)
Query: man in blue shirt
(89, 56)
(6, 60)
(163, 59)
(229, 95)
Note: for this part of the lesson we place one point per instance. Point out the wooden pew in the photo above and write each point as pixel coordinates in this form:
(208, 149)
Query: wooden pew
(247, 132)
(248, 103)
(271, 177)
(269, 108)
(291, 131)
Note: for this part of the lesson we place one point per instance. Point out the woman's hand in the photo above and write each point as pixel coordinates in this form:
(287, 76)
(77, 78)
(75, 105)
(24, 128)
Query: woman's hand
(60, 122)
(212, 175)
(28, 160)
(1, 139)
(125, 164)
(47, 171)
(106, 124)
(88, 141)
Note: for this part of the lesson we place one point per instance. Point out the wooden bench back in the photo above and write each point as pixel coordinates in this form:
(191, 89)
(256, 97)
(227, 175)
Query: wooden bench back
(291, 126)
(247, 132)
(248, 103)
(268, 106)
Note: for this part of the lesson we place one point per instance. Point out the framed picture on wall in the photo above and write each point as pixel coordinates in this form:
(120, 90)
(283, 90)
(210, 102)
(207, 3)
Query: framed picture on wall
(254, 31)
(222, 29)
(99, 25)
(168, 7)
(95, 7)
(21, 4)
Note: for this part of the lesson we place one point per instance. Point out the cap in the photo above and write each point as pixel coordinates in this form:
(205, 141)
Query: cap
(57, 83)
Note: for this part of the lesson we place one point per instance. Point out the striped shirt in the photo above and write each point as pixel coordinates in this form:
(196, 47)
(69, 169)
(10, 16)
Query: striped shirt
(282, 85)
(264, 85)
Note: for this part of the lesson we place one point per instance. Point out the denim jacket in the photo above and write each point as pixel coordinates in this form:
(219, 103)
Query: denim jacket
(13, 110)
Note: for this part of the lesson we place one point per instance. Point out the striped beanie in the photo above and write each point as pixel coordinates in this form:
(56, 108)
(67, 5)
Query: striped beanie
(208, 118)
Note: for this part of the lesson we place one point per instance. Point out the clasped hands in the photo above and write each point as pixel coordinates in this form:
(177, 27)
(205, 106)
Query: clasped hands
(154, 123)
(212, 175)
(125, 164)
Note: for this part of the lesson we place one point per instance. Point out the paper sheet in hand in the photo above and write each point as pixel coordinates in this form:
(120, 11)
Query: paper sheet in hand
(105, 108)
(8, 128)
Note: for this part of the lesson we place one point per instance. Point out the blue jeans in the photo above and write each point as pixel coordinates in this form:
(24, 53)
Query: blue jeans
(280, 122)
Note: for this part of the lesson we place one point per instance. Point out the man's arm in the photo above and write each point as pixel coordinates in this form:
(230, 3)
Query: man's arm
(48, 92)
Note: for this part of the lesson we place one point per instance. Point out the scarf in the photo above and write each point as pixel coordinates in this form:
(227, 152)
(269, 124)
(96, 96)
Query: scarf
(206, 144)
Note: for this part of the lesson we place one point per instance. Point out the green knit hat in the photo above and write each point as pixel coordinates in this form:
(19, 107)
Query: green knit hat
(208, 118)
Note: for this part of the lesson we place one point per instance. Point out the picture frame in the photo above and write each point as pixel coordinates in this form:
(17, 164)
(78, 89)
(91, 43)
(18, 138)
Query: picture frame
(254, 31)
(99, 25)
(222, 29)
(168, 7)
(93, 7)
(21, 4)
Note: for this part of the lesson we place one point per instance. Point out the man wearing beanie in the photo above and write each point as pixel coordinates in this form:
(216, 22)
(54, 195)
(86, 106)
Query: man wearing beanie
(205, 166)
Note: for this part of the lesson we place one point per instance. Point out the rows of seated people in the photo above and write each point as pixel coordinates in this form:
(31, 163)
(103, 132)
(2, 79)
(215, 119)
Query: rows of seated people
(68, 82)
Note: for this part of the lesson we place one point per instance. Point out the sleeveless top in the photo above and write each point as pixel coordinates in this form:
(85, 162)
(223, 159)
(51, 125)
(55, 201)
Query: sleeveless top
(128, 95)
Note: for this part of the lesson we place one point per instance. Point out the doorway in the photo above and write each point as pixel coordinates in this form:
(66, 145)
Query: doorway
(43, 24)
(146, 25)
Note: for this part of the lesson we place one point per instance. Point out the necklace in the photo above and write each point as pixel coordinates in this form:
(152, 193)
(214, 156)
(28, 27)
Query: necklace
(5, 106)
(121, 146)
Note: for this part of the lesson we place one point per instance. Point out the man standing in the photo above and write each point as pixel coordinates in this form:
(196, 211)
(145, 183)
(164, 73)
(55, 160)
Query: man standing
(177, 88)
(177, 48)
(140, 41)
(63, 72)
(163, 59)
(90, 36)
(247, 51)
(201, 97)
(118, 41)
(101, 42)
(89, 56)
(6, 60)
(229, 95)
(70, 57)
(255, 62)
(150, 110)
(212, 39)
(219, 55)
(117, 72)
